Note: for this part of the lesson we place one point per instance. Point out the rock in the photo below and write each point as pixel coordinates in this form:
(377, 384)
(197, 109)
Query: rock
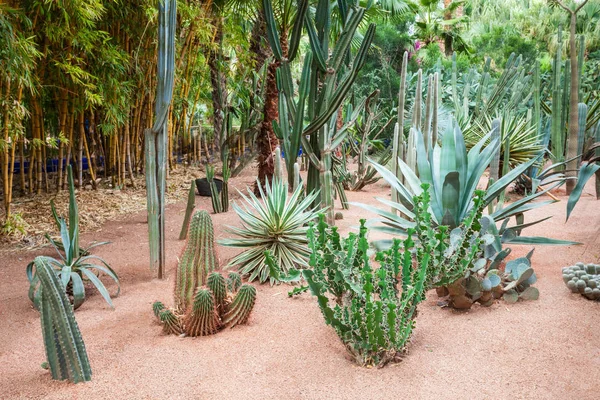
(88, 187)
(339, 215)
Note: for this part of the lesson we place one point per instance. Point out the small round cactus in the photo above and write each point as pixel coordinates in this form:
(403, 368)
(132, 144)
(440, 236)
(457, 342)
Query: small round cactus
(583, 279)
(241, 306)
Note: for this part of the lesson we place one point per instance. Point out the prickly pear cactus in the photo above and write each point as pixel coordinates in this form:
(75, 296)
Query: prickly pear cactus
(65, 350)
(583, 279)
(202, 318)
(241, 306)
(198, 260)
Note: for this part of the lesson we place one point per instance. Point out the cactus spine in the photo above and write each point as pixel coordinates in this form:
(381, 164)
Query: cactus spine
(241, 306)
(199, 258)
(65, 350)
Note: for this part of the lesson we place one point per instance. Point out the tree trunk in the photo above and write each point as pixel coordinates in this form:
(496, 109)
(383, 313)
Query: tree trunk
(217, 79)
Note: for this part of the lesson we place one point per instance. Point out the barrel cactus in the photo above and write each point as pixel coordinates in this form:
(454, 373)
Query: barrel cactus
(198, 260)
(65, 350)
(584, 279)
(218, 304)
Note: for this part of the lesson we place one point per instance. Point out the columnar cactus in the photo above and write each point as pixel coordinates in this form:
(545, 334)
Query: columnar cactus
(234, 281)
(222, 302)
(584, 279)
(202, 318)
(170, 321)
(198, 259)
(64, 345)
(241, 306)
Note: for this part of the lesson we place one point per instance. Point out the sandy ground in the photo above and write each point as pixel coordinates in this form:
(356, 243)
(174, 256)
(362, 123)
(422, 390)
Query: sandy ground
(545, 349)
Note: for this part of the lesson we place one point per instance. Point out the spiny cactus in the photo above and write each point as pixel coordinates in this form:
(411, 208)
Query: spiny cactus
(222, 302)
(199, 258)
(234, 281)
(241, 306)
(584, 279)
(202, 319)
(65, 350)
(170, 321)
(157, 307)
(217, 285)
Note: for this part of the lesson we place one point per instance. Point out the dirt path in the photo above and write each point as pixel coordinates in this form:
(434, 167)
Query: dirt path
(546, 349)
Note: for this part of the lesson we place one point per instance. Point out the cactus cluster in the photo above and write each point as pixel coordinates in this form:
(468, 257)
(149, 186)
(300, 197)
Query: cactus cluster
(584, 279)
(220, 303)
(199, 258)
(65, 350)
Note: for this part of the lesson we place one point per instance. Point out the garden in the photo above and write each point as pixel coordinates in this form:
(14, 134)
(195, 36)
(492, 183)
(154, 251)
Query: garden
(300, 199)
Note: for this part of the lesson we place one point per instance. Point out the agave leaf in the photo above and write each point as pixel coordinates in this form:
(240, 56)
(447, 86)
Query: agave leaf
(585, 173)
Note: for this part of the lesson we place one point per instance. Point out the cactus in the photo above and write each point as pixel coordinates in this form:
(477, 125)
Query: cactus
(157, 307)
(398, 150)
(202, 318)
(65, 350)
(241, 306)
(584, 279)
(191, 204)
(225, 188)
(217, 285)
(327, 76)
(278, 169)
(214, 192)
(234, 281)
(211, 309)
(171, 323)
(199, 258)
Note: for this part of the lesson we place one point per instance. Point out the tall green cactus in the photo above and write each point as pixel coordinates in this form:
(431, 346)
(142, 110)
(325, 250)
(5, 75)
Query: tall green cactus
(65, 350)
(191, 204)
(225, 187)
(198, 260)
(156, 138)
(328, 74)
(214, 192)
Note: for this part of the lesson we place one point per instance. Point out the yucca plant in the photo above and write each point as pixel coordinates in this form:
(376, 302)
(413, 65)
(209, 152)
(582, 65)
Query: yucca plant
(75, 264)
(277, 223)
(453, 174)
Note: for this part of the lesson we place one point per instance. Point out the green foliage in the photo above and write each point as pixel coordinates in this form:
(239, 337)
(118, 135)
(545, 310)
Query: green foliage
(276, 222)
(452, 175)
(75, 265)
(65, 350)
(197, 261)
(221, 303)
(14, 226)
(583, 278)
(374, 309)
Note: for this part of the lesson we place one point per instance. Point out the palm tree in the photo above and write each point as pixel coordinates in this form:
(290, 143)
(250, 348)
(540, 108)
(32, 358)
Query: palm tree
(437, 24)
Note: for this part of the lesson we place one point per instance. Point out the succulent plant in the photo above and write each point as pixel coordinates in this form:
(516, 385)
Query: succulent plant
(220, 303)
(241, 306)
(199, 258)
(202, 318)
(65, 350)
(171, 322)
(234, 281)
(157, 307)
(584, 279)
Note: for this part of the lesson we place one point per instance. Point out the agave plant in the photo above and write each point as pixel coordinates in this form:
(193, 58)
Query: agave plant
(453, 175)
(277, 223)
(76, 265)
